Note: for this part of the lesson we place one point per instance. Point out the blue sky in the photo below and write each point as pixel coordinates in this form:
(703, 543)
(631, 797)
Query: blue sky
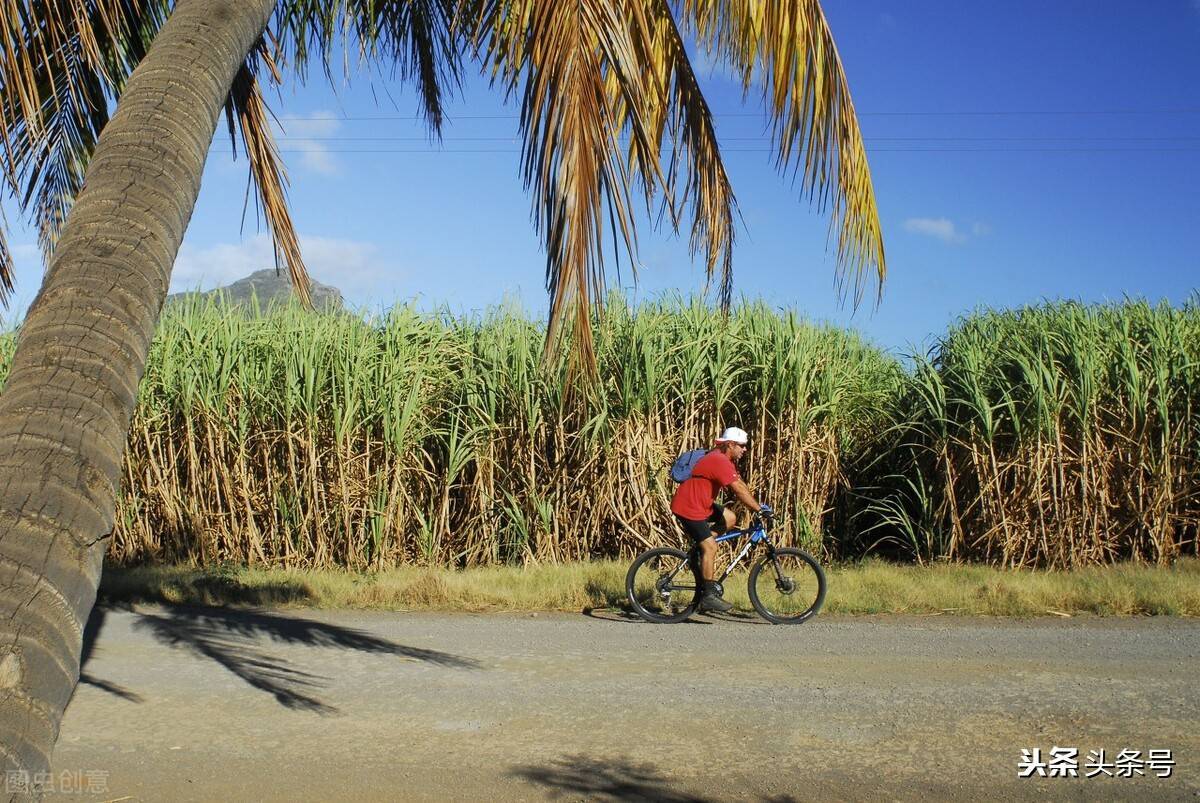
(1021, 151)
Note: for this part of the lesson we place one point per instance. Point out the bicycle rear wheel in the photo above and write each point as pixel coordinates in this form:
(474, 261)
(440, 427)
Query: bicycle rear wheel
(661, 587)
(787, 587)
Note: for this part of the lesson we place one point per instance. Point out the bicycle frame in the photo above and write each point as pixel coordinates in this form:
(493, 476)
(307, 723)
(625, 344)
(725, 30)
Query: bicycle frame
(758, 535)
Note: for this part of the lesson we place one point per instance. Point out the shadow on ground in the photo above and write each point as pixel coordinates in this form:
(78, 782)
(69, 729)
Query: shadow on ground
(212, 586)
(613, 606)
(627, 616)
(610, 779)
(233, 638)
(739, 616)
(91, 630)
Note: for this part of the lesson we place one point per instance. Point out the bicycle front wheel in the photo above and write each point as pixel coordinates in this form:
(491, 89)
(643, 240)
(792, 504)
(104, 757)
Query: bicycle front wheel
(661, 587)
(787, 587)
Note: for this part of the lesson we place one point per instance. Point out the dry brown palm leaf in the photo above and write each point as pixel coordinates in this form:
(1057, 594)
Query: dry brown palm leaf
(622, 67)
(248, 111)
(60, 65)
(416, 35)
(787, 45)
(61, 62)
(574, 58)
(7, 264)
(687, 118)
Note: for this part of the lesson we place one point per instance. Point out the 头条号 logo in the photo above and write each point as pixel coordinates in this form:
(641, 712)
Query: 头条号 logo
(1063, 762)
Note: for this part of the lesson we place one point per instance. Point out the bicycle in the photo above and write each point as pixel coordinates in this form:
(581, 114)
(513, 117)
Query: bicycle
(787, 586)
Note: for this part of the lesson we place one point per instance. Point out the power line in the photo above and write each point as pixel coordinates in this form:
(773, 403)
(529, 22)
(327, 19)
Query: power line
(291, 138)
(439, 151)
(899, 144)
(976, 113)
(1041, 113)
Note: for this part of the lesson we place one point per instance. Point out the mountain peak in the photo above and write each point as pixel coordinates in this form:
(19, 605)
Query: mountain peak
(270, 287)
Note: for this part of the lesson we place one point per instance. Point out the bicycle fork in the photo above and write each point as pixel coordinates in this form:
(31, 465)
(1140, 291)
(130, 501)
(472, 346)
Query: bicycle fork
(783, 583)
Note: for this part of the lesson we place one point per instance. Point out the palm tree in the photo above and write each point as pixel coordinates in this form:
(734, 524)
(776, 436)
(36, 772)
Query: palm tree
(610, 109)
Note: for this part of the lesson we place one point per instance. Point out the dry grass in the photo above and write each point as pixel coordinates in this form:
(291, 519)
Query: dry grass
(560, 587)
(871, 587)
(1123, 589)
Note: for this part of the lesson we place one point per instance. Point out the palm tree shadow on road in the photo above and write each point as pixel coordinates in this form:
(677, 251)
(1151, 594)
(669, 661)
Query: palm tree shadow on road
(610, 779)
(91, 631)
(231, 638)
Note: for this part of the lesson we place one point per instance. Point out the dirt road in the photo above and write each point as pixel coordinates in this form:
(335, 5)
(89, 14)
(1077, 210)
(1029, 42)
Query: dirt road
(201, 704)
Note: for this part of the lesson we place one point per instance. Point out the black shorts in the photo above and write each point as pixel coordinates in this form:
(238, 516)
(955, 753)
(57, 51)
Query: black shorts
(705, 528)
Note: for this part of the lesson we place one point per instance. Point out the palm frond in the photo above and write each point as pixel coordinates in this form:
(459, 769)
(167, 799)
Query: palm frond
(248, 111)
(584, 86)
(787, 45)
(418, 38)
(61, 63)
(688, 120)
(7, 264)
(432, 56)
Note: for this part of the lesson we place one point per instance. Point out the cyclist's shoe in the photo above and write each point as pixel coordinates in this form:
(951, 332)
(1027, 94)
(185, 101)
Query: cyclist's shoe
(711, 601)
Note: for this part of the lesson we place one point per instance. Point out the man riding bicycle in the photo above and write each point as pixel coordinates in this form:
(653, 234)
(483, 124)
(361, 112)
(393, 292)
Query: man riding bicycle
(702, 517)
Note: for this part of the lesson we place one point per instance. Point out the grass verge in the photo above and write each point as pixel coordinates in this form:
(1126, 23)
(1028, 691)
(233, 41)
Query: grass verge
(870, 587)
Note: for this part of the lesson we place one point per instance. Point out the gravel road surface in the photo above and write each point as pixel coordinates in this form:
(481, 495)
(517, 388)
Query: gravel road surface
(181, 704)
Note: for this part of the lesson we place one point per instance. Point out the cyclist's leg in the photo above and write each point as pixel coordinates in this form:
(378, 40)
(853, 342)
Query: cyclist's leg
(697, 532)
(730, 520)
(720, 522)
(701, 533)
(710, 599)
(702, 555)
(708, 558)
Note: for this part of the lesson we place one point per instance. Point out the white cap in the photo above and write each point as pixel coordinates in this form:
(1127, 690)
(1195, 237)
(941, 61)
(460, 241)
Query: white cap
(734, 435)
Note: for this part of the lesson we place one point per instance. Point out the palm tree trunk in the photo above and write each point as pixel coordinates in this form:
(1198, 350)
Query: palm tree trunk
(70, 395)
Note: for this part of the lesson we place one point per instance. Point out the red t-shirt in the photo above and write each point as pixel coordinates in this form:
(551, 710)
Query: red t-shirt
(694, 497)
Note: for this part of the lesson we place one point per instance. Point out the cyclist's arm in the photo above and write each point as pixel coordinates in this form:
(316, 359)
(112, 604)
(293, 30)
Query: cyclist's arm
(742, 491)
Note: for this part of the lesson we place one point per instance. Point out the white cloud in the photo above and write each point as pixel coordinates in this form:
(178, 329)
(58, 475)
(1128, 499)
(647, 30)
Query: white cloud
(355, 267)
(221, 264)
(26, 252)
(944, 229)
(306, 134)
(940, 228)
(710, 66)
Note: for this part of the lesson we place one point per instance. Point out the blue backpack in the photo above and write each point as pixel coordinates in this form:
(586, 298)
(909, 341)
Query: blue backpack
(681, 469)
